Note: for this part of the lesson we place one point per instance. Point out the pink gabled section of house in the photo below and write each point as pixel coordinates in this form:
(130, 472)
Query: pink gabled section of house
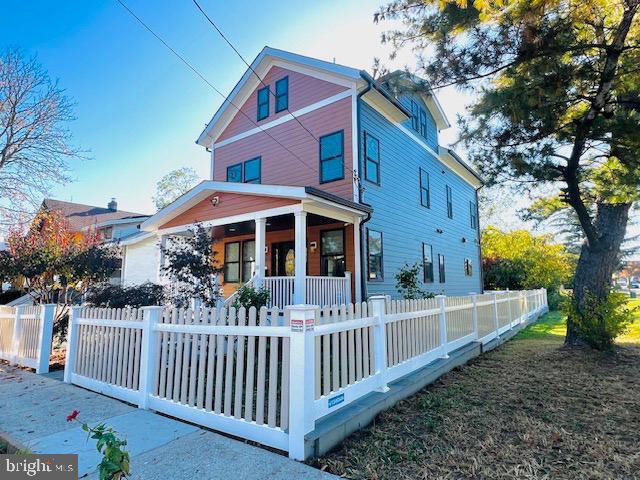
(278, 166)
(304, 90)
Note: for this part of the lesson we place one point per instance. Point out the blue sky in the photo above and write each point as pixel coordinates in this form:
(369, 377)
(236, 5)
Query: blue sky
(139, 110)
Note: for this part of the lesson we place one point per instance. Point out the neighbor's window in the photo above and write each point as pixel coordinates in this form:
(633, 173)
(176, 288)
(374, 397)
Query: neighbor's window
(415, 116)
(449, 202)
(374, 251)
(332, 257)
(332, 157)
(232, 262)
(252, 170)
(441, 268)
(427, 263)
(282, 94)
(263, 103)
(234, 173)
(425, 195)
(372, 159)
(468, 268)
(248, 259)
(473, 215)
(423, 123)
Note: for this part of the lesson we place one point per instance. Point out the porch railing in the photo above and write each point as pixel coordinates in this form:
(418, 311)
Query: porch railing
(323, 291)
(281, 289)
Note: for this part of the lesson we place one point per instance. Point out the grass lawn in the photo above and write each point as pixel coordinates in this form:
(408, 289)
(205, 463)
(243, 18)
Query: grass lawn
(529, 409)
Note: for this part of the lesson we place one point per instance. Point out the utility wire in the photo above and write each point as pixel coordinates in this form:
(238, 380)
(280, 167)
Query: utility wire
(202, 77)
(226, 39)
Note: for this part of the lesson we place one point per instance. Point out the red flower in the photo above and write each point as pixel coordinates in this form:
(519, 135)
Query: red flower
(73, 416)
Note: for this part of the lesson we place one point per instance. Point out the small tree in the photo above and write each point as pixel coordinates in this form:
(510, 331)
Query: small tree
(191, 266)
(408, 283)
(173, 185)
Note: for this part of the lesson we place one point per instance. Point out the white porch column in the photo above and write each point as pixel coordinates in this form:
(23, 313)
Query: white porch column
(261, 235)
(300, 287)
(357, 267)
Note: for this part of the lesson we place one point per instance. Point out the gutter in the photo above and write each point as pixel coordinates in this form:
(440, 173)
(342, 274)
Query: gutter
(479, 240)
(363, 252)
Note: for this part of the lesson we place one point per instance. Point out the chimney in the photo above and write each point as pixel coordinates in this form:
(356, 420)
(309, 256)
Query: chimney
(113, 205)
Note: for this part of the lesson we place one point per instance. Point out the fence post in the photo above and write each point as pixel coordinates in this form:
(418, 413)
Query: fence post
(442, 299)
(148, 366)
(474, 315)
(508, 294)
(378, 305)
(17, 333)
(545, 300)
(495, 314)
(72, 343)
(47, 314)
(301, 373)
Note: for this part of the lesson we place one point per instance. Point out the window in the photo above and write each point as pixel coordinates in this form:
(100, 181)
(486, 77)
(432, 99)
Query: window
(332, 157)
(449, 202)
(427, 263)
(468, 268)
(441, 268)
(423, 123)
(282, 94)
(425, 196)
(473, 215)
(248, 259)
(263, 103)
(372, 159)
(252, 170)
(374, 255)
(232, 262)
(234, 173)
(332, 257)
(415, 114)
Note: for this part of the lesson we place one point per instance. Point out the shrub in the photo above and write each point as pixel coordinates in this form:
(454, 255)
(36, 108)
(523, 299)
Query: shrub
(107, 295)
(599, 323)
(249, 296)
(407, 282)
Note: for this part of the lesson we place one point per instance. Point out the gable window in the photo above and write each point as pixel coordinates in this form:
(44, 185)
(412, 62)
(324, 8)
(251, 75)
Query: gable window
(468, 268)
(423, 123)
(372, 159)
(374, 256)
(473, 215)
(232, 262)
(415, 114)
(332, 157)
(252, 170)
(427, 263)
(449, 202)
(332, 258)
(441, 272)
(234, 173)
(263, 103)
(248, 259)
(425, 194)
(282, 94)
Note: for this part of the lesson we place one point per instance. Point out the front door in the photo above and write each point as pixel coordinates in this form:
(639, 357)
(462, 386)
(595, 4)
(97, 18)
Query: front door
(283, 259)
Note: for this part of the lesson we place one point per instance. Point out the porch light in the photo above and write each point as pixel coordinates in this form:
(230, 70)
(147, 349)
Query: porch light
(215, 201)
(439, 230)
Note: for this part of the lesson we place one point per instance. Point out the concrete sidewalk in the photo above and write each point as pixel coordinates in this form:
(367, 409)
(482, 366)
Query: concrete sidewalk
(33, 410)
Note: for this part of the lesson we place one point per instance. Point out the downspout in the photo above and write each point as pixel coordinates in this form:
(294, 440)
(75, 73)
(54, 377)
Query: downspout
(363, 247)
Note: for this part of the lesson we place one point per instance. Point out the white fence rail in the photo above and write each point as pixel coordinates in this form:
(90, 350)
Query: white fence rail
(237, 372)
(26, 334)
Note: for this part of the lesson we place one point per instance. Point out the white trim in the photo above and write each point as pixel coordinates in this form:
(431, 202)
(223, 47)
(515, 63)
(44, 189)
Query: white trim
(355, 151)
(213, 160)
(432, 103)
(318, 73)
(119, 221)
(279, 121)
(138, 237)
(357, 268)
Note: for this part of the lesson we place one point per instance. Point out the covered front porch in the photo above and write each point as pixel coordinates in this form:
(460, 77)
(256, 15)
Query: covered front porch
(300, 243)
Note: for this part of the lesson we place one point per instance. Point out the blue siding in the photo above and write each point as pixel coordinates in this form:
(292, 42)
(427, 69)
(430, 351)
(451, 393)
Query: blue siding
(432, 129)
(405, 224)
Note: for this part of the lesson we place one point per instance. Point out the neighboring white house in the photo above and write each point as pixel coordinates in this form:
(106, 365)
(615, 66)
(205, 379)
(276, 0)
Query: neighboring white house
(140, 258)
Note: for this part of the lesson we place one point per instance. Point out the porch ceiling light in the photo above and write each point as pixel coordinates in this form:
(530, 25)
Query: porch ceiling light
(215, 201)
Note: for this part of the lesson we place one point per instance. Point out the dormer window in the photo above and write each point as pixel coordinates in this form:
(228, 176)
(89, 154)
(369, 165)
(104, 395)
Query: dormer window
(282, 94)
(263, 103)
(415, 114)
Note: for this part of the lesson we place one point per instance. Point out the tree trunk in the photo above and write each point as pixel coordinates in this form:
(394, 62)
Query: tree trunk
(598, 261)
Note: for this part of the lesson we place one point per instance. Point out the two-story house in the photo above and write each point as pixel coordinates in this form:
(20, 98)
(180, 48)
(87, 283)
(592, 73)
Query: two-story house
(324, 183)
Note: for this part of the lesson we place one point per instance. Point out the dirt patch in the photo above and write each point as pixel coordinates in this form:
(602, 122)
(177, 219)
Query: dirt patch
(529, 409)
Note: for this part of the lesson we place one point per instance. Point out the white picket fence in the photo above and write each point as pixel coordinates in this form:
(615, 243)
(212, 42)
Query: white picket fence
(26, 335)
(236, 372)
